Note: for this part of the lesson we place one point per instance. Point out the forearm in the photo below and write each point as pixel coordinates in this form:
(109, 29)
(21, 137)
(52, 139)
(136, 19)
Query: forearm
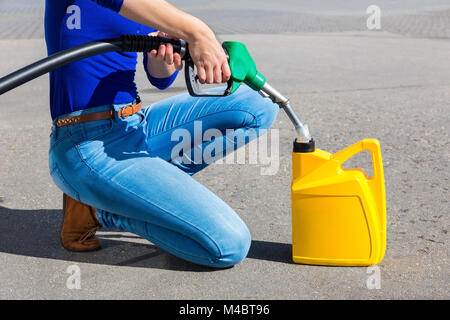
(204, 49)
(164, 17)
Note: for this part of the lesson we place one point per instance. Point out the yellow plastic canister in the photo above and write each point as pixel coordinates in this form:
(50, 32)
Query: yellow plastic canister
(338, 215)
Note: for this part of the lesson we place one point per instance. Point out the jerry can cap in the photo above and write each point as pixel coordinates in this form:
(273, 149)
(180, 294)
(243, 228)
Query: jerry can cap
(304, 147)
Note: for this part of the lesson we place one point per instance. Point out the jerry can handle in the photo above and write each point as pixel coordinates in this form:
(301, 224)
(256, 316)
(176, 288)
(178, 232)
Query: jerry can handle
(375, 183)
(371, 145)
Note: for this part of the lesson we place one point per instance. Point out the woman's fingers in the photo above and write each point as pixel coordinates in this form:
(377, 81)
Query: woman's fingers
(153, 53)
(217, 75)
(177, 61)
(213, 72)
(161, 53)
(165, 54)
(201, 74)
(209, 70)
(169, 54)
(226, 72)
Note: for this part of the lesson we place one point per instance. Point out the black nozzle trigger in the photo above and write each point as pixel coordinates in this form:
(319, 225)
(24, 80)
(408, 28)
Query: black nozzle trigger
(192, 82)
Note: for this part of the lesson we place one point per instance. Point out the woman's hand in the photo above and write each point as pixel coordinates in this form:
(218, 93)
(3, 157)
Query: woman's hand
(163, 62)
(209, 58)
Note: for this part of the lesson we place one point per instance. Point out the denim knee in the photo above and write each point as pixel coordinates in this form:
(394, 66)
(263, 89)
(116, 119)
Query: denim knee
(234, 248)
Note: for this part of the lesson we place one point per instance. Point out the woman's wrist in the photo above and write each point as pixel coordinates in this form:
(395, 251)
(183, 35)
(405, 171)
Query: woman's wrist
(159, 69)
(198, 31)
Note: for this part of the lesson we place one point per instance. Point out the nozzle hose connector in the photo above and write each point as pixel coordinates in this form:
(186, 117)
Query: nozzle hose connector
(303, 134)
(139, 43)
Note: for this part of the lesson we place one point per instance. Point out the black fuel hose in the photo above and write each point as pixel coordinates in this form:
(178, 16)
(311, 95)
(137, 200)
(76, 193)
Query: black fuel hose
(126, 43)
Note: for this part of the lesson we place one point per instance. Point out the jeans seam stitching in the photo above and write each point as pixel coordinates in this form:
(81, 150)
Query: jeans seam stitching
(152, 204)
(58, 141)
(64, 180)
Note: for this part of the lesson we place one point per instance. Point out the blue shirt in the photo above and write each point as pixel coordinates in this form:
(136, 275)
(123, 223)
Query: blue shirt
(99, 80)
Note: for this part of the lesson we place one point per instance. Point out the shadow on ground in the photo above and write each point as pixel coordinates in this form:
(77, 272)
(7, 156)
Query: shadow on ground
(34, 233)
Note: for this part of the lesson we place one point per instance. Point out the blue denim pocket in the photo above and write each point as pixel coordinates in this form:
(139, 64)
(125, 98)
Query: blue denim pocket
(91, 131)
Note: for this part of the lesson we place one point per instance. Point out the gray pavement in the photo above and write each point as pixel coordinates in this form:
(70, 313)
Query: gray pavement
(346, 82)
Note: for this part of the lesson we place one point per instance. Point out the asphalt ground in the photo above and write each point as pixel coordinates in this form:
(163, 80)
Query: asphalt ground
(346, 82)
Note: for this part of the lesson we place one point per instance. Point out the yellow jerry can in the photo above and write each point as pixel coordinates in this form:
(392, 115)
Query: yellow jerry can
(338, 215)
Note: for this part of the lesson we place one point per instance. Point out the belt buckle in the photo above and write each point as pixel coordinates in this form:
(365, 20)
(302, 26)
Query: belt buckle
(127, 111)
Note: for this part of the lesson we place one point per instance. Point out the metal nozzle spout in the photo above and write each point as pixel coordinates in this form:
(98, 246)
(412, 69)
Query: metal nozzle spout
(303, 134)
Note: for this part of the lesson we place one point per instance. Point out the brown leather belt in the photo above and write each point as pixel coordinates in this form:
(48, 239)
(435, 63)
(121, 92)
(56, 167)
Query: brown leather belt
(123, 113)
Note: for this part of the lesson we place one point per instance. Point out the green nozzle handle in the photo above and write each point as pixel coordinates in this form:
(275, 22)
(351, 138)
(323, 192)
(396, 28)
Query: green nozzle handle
(243, 67)
(243, 70)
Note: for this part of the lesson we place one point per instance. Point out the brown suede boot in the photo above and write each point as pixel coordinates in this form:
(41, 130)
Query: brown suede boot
(79, 226)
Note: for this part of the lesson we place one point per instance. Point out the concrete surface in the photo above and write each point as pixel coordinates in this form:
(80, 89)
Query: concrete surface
(346, 82)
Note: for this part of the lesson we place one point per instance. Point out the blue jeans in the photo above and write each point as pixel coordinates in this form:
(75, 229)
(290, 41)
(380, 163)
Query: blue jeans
(125, 168)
